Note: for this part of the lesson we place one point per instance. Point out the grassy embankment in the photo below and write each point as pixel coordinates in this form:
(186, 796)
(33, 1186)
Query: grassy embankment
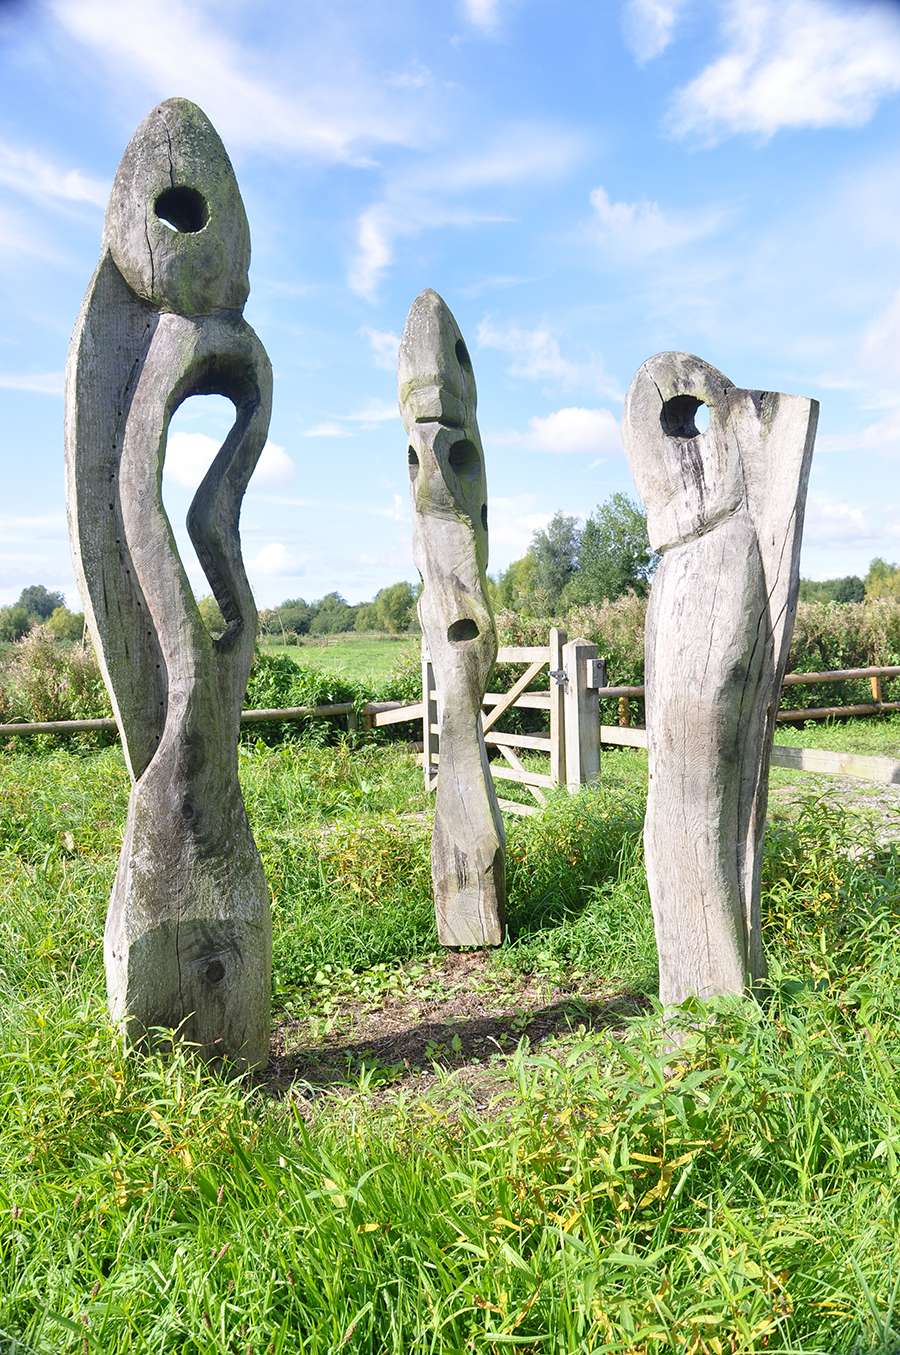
(741, 1195)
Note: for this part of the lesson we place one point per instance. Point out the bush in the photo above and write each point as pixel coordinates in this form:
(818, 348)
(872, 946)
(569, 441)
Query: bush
(46, 682)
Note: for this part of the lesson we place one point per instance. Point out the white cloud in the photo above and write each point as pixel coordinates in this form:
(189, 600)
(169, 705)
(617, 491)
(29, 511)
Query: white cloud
(275, 560)
(511, 524)
(648, 26)
(417, 77)
(35, 178)
(793, 63)
(384, 345)
(374, 413)
(568, 430)
(536, 357)
(190, 455)
(834, 523)
(640, 228)
(39, 383)
(482, 13)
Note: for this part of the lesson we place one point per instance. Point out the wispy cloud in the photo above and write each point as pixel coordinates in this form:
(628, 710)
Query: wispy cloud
(342, 426)
(38, 383)
(32, 176)
(568, 430)
(537, 357)
(252, 98)
(432, 194)
(648, 26)
(636, 229)
(881, 437)
(790, 64)
(385, 346)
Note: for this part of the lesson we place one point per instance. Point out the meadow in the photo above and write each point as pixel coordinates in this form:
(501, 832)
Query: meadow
(521, 1162)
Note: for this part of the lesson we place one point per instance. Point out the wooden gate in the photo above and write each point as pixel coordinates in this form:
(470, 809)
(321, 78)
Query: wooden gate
(572, 741)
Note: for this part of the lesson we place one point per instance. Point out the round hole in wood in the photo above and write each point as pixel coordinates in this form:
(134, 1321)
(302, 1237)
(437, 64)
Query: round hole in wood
(215, 972)
(464, 629)
(182, 209)
(413, 462)
(464, 460)
(678, 416)
(462, 355)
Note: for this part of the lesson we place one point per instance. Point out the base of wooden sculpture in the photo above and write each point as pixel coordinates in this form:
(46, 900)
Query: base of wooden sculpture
(188, 934)
(467, 854)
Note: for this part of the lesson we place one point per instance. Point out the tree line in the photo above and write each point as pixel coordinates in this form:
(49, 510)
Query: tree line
(566, 565)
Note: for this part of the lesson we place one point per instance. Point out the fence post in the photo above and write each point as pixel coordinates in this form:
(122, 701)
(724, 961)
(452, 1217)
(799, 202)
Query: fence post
(557, 707)
(582, 714)
(877, 692)
(429, 722)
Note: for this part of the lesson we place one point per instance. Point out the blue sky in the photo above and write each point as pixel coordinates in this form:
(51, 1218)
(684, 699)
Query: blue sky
(585, 182)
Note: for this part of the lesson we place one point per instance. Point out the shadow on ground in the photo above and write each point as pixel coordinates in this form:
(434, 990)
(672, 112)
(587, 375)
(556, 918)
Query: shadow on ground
(401, 1040)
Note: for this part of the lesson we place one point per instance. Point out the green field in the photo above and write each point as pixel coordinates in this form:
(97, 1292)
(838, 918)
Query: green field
(452, 1153)
(356, 656)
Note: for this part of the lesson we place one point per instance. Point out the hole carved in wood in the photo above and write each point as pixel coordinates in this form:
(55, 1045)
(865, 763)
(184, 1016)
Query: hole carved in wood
(450, 545)
(188, 941)
(725, 508)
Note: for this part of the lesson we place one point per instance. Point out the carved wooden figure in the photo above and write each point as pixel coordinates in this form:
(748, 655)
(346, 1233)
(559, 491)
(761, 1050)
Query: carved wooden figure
(450, 542)
(188, 936)
(725, 508)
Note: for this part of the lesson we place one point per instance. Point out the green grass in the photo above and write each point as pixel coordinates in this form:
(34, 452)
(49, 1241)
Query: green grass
(356, 657)
(740, 1194)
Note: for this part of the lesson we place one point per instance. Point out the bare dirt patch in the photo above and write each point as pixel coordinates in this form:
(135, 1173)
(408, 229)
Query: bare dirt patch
(463, 1019)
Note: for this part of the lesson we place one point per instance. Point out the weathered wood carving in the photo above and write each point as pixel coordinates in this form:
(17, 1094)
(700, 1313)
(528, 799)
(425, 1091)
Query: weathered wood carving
(725, 508)
(188, 937)
(450, 543)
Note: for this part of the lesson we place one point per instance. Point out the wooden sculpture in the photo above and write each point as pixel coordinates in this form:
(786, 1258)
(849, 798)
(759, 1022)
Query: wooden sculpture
(450, 546)
(725, 508)
(188, 940)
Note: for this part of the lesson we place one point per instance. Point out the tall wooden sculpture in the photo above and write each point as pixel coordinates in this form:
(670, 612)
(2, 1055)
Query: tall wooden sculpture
(188, 937)
(450, 545)
(725, 508)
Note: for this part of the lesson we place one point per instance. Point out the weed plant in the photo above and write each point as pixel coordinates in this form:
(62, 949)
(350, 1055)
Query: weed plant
(737, 1193)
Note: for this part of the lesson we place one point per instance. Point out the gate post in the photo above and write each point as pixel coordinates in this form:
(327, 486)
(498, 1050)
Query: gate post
(557, 707)
(582, 714)
(430, 737)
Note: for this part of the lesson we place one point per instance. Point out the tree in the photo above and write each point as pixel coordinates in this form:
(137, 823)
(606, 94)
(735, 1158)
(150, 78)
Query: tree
(394, 607)
(554, 551)
(849, 589)
(513, 586)
(38, 602)
(66, 625)
(615, 554)
(332, 614)
(882, 580)
(211, 615)
(14, 622)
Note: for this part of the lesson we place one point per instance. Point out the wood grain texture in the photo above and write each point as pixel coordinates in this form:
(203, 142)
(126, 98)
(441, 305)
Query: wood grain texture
(448, 492)
(725, 509)
(188, 936)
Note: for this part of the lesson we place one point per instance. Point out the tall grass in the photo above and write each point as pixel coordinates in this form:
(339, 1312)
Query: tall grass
(740, 1194)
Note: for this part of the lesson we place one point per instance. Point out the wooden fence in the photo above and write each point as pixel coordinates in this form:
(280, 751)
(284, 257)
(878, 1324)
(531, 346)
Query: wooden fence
(576, 682)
